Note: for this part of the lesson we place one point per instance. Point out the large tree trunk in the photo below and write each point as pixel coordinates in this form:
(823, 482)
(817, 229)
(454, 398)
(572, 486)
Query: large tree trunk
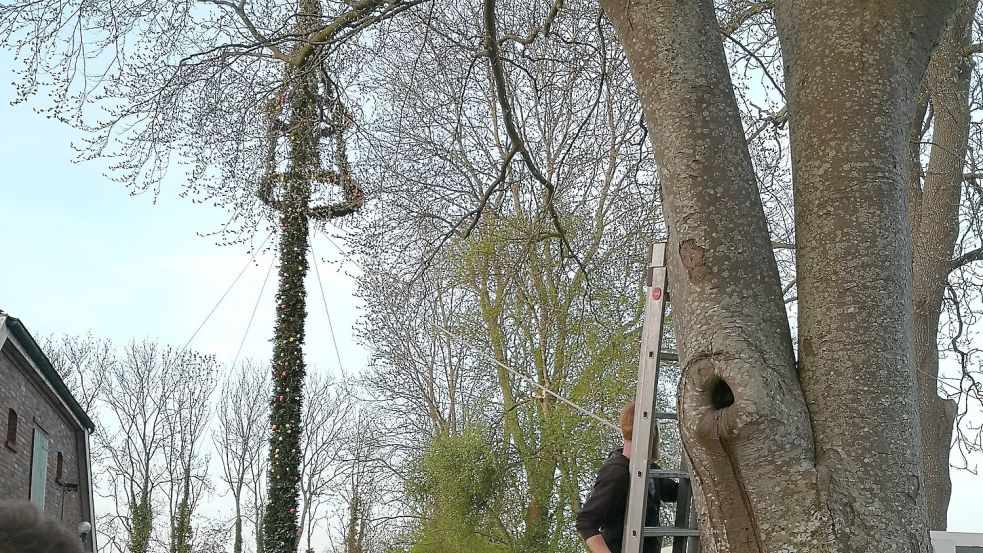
(935, 229)
(852, 71)
(769, 473)
(752, 461)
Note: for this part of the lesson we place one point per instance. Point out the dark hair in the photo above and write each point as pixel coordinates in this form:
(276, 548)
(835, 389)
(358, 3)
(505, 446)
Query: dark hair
(24, 530)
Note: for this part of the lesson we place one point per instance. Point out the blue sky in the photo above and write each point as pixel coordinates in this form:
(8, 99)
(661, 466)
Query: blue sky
(79, 253)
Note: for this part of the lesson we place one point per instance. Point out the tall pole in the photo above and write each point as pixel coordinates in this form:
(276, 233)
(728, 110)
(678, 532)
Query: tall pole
(307, 111)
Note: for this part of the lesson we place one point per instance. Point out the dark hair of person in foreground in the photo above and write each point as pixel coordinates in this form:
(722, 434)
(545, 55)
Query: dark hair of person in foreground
(24, 530)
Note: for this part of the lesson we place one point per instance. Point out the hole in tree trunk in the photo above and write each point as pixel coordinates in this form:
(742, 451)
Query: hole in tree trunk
(721, 395)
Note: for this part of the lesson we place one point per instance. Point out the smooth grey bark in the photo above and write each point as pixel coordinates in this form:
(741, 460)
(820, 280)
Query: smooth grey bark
(852, 70)
(826, 459)
(752, 462)
(935, 226)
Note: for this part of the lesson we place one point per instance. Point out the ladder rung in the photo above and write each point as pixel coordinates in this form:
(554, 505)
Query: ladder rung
(661, 531)
(665, 415)
(659, 473)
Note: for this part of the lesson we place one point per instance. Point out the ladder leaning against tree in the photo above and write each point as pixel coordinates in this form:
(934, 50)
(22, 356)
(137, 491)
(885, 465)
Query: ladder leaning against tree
(683, 531)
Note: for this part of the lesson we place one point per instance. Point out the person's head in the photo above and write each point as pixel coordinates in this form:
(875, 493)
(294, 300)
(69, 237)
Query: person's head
(24, 530)
(627, 423)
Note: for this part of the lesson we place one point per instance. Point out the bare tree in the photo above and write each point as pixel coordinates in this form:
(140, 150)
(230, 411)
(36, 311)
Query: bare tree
(83, 362)
(240, 439)
(360, 493)
(431, 383)
(134, 439)
(360, 510)
(188, 412)
(327, 414)
(150, 440)
(256, 489)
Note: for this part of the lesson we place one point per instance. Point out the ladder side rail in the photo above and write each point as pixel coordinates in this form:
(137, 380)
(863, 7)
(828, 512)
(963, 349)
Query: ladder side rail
(684, 512)
(645, 395)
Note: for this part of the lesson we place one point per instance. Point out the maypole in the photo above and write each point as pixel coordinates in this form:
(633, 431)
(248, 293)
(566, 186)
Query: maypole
(306, 113)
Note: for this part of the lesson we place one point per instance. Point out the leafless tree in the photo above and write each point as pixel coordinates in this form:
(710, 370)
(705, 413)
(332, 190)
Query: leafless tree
(134, 439)
(83, 362)
(431, 383)
(240, 441)
(188, 411)
(327, 413)
(360, 516)
(155, 403)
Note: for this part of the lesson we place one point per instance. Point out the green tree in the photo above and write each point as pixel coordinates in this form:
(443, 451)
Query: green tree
(459, 479)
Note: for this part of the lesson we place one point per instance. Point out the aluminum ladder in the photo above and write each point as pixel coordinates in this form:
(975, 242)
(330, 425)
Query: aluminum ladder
(684, 533)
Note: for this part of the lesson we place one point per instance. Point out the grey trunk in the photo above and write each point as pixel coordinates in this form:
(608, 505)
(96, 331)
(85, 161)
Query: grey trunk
(934, 233)
(852, 70)
(752, 461)
(825, 459)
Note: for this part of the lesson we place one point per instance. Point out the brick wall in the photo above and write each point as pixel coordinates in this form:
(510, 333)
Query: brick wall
(36, 407)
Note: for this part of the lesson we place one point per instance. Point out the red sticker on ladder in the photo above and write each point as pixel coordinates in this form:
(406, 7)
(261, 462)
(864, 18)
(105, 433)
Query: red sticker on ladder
(656, 293)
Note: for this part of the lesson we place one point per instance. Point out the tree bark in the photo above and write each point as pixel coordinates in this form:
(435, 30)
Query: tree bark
(934, 235)
(852, 70)
(237, 529)
(784, 461)
(752, 461)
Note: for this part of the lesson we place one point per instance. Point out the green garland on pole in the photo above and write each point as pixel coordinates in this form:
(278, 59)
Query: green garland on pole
(307, 111)
(281, 529)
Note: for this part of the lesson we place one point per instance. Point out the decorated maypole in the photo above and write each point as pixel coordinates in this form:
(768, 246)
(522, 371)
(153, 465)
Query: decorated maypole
(306, 121)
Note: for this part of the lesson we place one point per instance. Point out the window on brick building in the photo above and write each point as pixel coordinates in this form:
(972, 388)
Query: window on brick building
(59, 467)
(39, 468)
(11, 428)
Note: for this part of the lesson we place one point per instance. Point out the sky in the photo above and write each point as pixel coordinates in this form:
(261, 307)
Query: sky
(79, 254)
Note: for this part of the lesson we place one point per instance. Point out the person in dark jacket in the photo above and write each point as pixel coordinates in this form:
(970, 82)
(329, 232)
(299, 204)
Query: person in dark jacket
(601, 520)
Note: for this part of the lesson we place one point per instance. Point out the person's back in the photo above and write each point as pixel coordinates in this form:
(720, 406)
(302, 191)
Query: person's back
(601, 520)
(604, 511)
(24, 530)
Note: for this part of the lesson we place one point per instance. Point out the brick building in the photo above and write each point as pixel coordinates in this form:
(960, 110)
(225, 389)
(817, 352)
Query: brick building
(45, 457)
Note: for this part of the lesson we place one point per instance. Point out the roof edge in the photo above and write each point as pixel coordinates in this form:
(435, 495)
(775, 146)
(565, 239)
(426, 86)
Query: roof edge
(26, 341)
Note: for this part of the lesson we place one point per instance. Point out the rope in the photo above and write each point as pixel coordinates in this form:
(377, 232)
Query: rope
(253, 315)
(503, 366)
(229, 289)
(324, 300)
(526, 378)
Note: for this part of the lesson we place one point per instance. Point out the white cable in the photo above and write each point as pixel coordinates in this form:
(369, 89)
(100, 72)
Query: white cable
(500, 364)
(324, 300)
(530, 381)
